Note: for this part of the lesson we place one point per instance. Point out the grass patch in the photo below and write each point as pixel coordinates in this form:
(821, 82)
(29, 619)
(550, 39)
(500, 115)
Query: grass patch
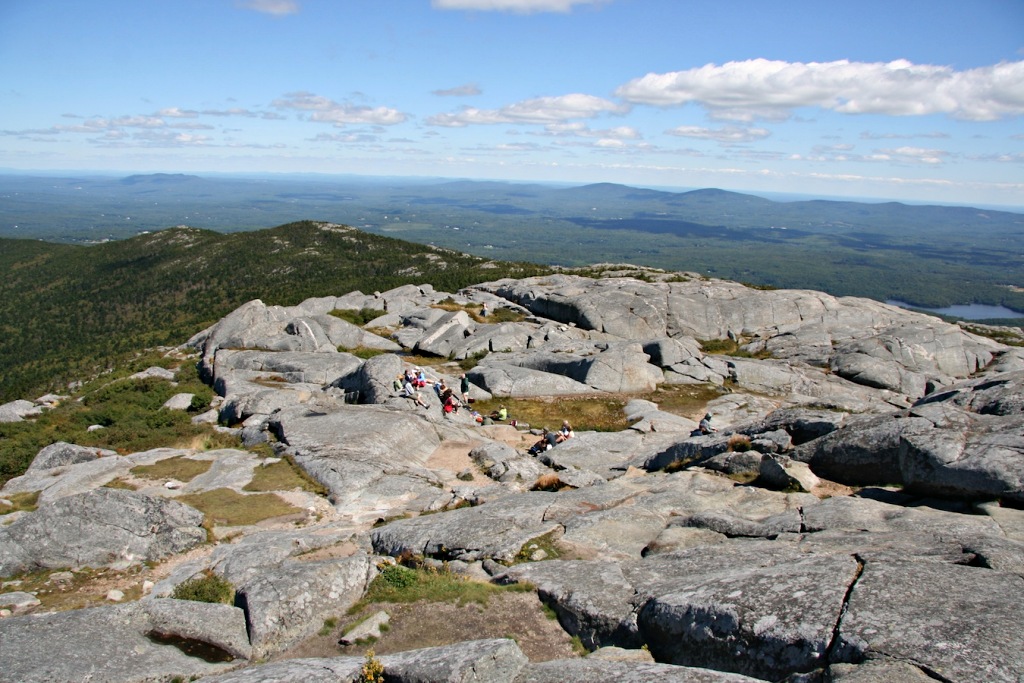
(547, 543)
(284, 475)
(20, 502)
(396, 583)
(206, 588)
(181, 468)
(228, 508)
(86, 587)
(471, 361)
(729, 347)
(120, 484)
(604, 413)
(360, 317)
(363, 352)
(329, 625)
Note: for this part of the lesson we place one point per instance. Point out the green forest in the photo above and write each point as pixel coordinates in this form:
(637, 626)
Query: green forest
(68, 312)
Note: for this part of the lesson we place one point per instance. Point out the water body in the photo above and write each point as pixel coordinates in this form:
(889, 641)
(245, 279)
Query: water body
(966, 311)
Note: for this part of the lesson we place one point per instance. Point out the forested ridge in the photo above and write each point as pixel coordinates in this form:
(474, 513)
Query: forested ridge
(69, 311)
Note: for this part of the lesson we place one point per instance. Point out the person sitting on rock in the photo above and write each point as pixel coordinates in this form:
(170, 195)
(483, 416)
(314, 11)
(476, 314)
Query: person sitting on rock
(546, 442)
(705, 425)
(410, 392)
(500, 415)
(565, 432)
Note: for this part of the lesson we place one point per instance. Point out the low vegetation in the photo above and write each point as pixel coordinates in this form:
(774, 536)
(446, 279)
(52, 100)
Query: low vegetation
(283, 475)
(602, 413)
(209, 587)
(101, 303)
(225, 507)
(180, 468)
(397, 583)
(19, 502)
(730, 347)
(116, 413)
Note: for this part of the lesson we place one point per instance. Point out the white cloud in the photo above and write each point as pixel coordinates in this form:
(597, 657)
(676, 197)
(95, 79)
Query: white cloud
(902, 136)
(519, 6)
(467, 90)
(760, 88)
(912, 155)
(726, 136)
(278, 8)
(540, 110)
(175, 113)
(582, 130)
(328, 111)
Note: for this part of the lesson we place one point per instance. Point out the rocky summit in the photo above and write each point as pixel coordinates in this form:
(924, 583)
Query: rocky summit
(853, 514)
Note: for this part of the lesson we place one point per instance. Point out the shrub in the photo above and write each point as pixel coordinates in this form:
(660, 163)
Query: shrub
(739, 443)
(360, 317)
(547, 482)
(206, 588)
(372, 671)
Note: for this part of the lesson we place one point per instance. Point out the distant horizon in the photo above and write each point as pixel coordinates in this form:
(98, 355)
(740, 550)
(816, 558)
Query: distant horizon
(325, 176)
(920, 101)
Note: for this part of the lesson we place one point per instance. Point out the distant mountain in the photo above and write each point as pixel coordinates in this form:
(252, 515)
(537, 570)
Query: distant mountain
(160, 179)
(66, 311)
(930, 256)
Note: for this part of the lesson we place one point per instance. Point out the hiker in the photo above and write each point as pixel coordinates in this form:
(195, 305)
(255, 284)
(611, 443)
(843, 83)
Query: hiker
(705, 425)
(499, 415)
(483, 310)
(410, 392)
(464, 387)
(421, 378)
(547, 442)
(566, 432)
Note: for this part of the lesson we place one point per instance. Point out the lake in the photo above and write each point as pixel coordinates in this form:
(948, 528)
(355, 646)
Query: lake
(965, 311)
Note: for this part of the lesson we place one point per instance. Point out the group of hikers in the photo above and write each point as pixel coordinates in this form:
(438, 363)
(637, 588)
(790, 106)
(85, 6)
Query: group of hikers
(413, 379)
(550, 439)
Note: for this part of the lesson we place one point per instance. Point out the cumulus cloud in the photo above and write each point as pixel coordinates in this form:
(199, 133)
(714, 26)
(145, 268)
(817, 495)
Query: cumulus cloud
(519, 6)
(761, 88)
(727, 136)
(915, 155)
(325, 110)
(278, 8)
(467, 90)
(581, 130)
(540, 110)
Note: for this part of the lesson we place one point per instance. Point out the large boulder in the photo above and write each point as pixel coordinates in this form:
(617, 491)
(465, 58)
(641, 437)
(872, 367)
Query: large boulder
(105, 527)
(154, 640)
(959, 623)
(766, 622)
(497, 530)
(62, 453)
(287, 603)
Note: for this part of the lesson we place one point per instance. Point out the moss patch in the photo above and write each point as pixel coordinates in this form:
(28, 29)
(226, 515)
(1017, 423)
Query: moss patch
(284, 475)
(26, 501)
(227, 508)
(180, 468)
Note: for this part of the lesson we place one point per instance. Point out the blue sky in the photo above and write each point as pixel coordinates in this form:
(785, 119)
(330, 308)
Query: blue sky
(902, 99)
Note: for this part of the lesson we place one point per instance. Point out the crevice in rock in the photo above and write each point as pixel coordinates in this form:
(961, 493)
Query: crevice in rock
(834, 640)
(927, 671)
(242, 603)
(803, 519)
(192, 647)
